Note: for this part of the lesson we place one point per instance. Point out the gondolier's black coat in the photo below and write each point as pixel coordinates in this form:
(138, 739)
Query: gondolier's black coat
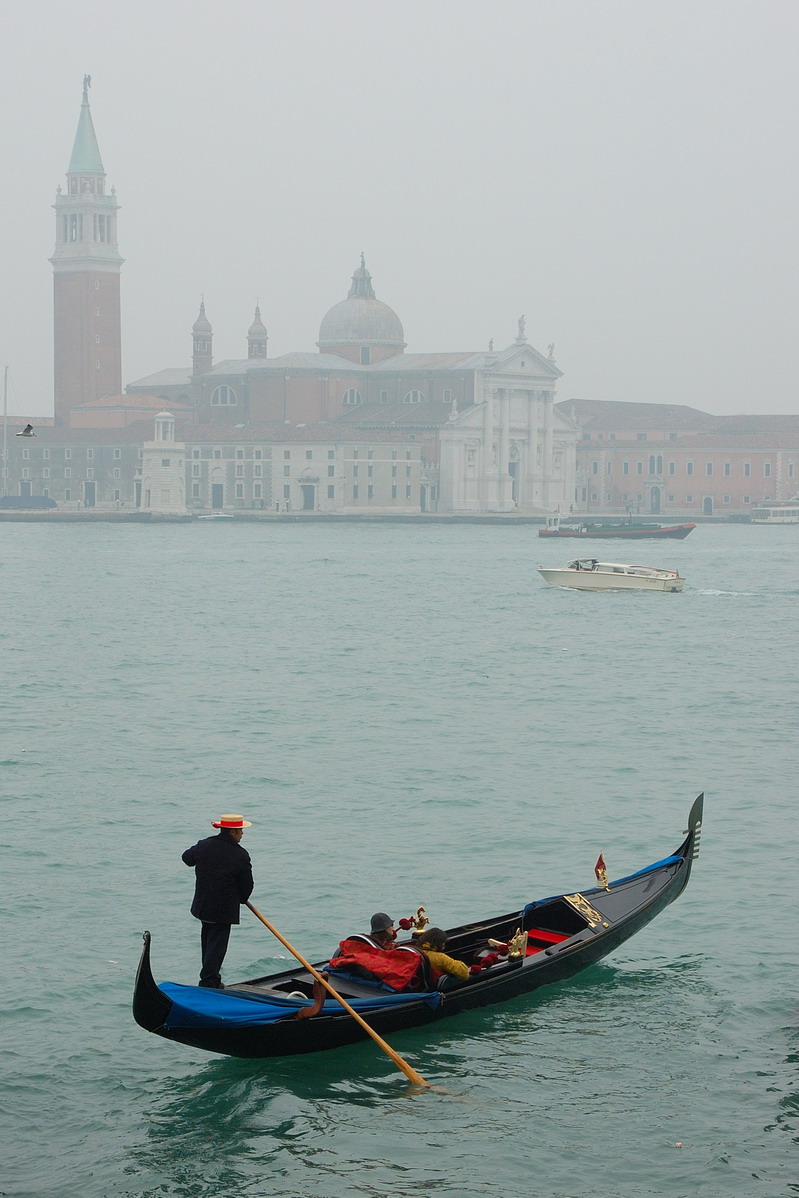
(224, 878)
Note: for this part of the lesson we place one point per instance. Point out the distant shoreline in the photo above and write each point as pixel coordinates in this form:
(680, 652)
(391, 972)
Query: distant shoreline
(95, 516)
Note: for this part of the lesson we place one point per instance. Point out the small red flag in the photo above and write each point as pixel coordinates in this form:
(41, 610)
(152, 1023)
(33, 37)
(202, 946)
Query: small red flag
(600, 869)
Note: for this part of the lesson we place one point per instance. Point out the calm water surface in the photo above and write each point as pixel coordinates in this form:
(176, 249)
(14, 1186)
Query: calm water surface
(408, 715)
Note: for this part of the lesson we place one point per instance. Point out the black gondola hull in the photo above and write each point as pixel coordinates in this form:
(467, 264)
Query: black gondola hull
(615, 915)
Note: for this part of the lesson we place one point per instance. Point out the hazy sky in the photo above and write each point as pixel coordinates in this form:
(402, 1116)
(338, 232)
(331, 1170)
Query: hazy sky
(622, 172)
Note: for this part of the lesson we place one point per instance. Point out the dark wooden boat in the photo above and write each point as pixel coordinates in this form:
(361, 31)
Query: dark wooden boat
(625, 530)
(564, 935)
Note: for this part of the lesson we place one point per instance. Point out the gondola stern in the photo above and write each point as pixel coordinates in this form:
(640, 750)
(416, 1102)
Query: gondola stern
(150, 1005)
(694, 830)
(689, 849)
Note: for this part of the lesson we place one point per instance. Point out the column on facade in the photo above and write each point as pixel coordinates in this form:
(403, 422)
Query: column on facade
(532, 484)
(452, 472)
(547, 455)
(504, 481)
(488, 479)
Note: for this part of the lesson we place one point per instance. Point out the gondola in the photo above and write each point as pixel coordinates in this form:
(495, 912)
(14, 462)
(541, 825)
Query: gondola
(512, 955)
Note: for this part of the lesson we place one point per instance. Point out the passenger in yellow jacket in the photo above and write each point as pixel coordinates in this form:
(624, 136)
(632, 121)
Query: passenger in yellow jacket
(432, 942)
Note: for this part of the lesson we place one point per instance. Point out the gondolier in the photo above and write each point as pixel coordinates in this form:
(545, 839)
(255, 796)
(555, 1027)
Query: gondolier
(223, 874)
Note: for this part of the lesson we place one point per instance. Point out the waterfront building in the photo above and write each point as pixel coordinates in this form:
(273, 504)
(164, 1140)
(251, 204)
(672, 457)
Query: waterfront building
(489, 436)
(163, 471)
(675, 461)
(361, 425)
(381, 430)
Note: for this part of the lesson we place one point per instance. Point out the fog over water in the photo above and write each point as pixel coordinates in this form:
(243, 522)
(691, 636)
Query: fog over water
(620, 173)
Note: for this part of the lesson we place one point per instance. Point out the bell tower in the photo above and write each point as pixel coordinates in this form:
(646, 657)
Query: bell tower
(257, 336)
(202, 340)
(86, 269)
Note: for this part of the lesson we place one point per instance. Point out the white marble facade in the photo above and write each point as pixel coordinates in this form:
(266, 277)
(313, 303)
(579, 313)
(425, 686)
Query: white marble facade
(163, 489)
(512, 451)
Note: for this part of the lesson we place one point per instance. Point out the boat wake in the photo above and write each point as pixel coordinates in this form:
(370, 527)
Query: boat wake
(734, 594)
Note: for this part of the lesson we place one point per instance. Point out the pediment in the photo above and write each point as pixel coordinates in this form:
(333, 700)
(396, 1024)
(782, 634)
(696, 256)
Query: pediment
(524, 359)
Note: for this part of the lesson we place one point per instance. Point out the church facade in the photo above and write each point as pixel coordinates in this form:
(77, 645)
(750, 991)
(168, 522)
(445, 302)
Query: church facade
(482, 425)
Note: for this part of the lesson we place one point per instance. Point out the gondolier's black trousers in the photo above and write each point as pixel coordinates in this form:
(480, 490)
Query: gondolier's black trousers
(214, 940)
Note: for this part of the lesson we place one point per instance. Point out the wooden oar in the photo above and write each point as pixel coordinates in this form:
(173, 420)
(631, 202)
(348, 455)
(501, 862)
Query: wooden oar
(407, 1069)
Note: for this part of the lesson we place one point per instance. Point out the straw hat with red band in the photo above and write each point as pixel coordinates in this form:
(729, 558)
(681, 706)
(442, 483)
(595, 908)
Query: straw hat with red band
(231, 821)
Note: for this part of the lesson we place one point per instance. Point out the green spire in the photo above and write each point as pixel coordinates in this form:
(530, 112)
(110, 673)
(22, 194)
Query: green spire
(85, 158)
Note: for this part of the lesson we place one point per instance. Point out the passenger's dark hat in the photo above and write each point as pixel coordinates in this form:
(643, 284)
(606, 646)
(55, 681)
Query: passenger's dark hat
(381, 921)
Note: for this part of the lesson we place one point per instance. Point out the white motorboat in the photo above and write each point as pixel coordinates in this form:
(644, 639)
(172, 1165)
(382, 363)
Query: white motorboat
(588, 574)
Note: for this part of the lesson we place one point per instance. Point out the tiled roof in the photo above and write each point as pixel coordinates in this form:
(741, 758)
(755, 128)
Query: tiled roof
(139, 431)
(464, 360)
(329, 433)
(617, 415)
(36, 421)
(306, 361)
(130, 401)
(135, 432)
(769, 425)
(177, 376)
(741, 442)
(396, 415)
(317, 362)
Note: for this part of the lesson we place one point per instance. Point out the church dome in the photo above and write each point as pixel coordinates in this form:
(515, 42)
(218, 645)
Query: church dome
(361, 319)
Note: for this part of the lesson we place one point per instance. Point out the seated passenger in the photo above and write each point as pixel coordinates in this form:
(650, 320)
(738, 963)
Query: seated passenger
(381, 934)
(432, 943)
(382, 931)
(375, 957)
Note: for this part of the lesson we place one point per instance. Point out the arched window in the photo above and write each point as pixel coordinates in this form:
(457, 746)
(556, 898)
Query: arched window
(223, 397)
(352, 397)
(414, 397)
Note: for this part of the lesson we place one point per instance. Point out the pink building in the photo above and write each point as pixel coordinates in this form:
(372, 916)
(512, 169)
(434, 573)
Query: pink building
(677, 461)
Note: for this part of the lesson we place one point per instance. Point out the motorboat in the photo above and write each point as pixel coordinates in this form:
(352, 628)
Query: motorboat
(629, 529)
(588, 574)
(777, 513)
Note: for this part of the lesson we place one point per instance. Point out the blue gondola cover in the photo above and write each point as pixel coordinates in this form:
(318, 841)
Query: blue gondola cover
(198, 1006)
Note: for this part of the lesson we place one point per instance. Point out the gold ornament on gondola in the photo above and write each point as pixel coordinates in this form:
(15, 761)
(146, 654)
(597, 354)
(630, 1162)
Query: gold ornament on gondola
(517, 945)
(420, 922)
(581, 904)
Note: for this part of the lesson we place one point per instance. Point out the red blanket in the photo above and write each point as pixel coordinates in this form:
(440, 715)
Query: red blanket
(397, 967)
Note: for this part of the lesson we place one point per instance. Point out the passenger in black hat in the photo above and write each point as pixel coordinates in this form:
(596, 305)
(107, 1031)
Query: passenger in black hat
(382, 931)
(381, 934)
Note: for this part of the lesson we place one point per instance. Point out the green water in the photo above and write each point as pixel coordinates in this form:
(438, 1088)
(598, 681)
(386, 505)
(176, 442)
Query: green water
(409, 716)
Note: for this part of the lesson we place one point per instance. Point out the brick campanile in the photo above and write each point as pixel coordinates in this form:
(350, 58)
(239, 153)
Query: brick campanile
(86, 268)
